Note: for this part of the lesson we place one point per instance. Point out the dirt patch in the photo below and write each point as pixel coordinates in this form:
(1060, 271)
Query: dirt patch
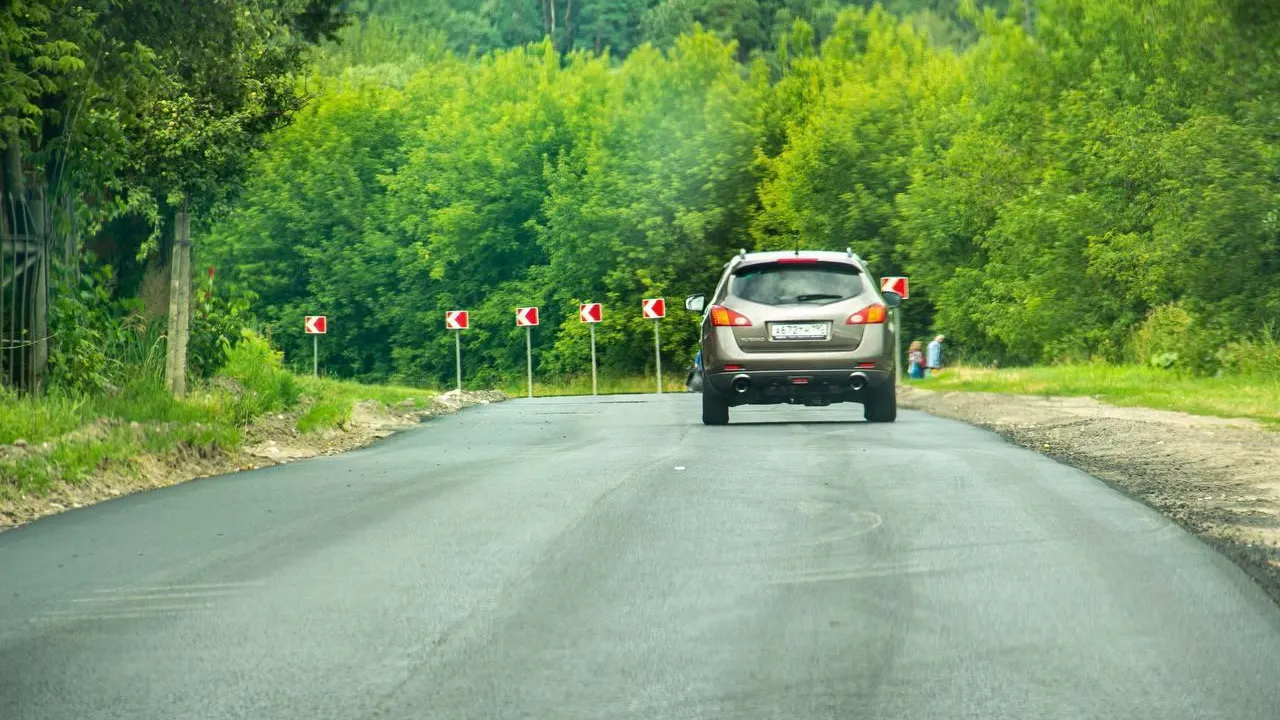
(275, 439)
(272, 440)
(1218, 478)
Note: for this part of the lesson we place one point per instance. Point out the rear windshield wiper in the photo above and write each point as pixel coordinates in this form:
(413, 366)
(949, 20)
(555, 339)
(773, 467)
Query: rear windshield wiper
(818, 296)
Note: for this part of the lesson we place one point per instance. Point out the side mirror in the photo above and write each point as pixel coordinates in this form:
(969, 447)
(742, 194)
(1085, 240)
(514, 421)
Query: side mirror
(695, 303)
(892, 299)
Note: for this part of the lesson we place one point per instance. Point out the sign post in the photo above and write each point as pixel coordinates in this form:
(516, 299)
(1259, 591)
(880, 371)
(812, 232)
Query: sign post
(592, 313)
(315, 326)
(897, 344)
(457, 321)
(900, 286)
(527, 318)
(655, 309)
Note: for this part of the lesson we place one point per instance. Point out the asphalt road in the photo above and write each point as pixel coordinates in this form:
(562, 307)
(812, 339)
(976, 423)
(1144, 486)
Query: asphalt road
(572, 558)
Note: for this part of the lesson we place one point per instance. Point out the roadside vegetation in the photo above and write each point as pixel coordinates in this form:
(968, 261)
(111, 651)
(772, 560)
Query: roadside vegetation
(1171, 361)
(1230, 396)
(68, 437)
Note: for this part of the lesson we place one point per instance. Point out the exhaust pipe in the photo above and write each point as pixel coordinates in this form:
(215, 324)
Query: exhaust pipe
(858, 381)
(741, 384)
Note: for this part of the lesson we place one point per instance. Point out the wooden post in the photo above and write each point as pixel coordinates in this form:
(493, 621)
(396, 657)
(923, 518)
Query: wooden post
(179, 304)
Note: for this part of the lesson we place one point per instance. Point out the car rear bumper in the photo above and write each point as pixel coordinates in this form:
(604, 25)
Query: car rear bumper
(806, 387)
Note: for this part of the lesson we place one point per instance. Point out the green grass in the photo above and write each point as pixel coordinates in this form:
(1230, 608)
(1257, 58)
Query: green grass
(37, 419)
(335, 399)
(607, 386)
(325, 414)
(87, 434)
(1257, 398)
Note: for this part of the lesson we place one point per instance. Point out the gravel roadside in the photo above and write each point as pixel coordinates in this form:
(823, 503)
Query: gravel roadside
(1218, 478)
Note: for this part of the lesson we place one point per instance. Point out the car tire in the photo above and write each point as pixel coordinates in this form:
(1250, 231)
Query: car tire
(881, 405)
(714, 410)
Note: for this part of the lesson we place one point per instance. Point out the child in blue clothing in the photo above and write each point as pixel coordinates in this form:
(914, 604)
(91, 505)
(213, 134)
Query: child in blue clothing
(915, 361)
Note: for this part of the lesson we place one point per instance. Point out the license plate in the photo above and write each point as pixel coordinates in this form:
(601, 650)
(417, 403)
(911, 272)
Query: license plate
(799, 331)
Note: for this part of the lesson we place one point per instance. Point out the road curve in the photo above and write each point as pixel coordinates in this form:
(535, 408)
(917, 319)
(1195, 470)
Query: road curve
(613, 558)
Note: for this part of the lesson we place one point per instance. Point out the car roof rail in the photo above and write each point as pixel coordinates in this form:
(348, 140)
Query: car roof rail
(742, 253)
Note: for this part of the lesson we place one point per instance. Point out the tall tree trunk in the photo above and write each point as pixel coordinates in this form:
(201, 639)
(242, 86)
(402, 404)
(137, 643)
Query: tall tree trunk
(179, 304)
(568, 25)
(13, 183)
(553, 21)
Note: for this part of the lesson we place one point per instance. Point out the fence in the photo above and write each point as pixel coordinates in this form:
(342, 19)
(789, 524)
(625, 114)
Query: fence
(24, 298)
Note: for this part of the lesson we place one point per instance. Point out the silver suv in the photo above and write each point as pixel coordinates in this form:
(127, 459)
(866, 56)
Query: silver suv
(799, 327)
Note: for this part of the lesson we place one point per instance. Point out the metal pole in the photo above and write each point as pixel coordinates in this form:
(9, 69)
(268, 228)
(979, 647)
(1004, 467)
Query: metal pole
(528, 355)
(315, 356)
(457, 356)
(657, 351)
(595, 388)
(897, 344)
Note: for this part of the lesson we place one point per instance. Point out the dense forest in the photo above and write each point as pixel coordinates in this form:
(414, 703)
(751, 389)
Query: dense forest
(1062, 180)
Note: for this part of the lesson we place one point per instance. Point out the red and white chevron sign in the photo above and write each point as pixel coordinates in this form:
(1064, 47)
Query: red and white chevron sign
(315, 324)
(895, 285)
(456, 320)
(590, 312)
(526, 317)
(654, 308)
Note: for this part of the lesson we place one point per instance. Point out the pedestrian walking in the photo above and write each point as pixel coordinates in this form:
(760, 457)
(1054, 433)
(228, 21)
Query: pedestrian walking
(933, 356)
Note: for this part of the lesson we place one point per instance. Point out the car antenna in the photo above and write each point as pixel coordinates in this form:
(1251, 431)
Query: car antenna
(797, 246)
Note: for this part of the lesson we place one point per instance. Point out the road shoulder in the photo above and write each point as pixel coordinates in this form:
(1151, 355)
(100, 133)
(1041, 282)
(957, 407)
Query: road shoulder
(273, 439)
(1218, 478)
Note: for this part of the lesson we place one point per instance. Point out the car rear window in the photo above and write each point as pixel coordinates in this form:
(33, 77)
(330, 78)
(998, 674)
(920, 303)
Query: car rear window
(800, 283)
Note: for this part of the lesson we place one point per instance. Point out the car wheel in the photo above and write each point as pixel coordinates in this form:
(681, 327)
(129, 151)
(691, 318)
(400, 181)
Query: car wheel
(881, 406)
(714, 410)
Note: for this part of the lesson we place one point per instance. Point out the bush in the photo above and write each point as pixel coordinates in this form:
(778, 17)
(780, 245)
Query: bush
(1259, 357)
(1162, 340)
(259, 369)
(217, 321)
(84, 325)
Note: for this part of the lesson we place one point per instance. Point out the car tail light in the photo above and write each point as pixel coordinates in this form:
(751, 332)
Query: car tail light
(796, 261)
(722, 316)
(869, 315)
